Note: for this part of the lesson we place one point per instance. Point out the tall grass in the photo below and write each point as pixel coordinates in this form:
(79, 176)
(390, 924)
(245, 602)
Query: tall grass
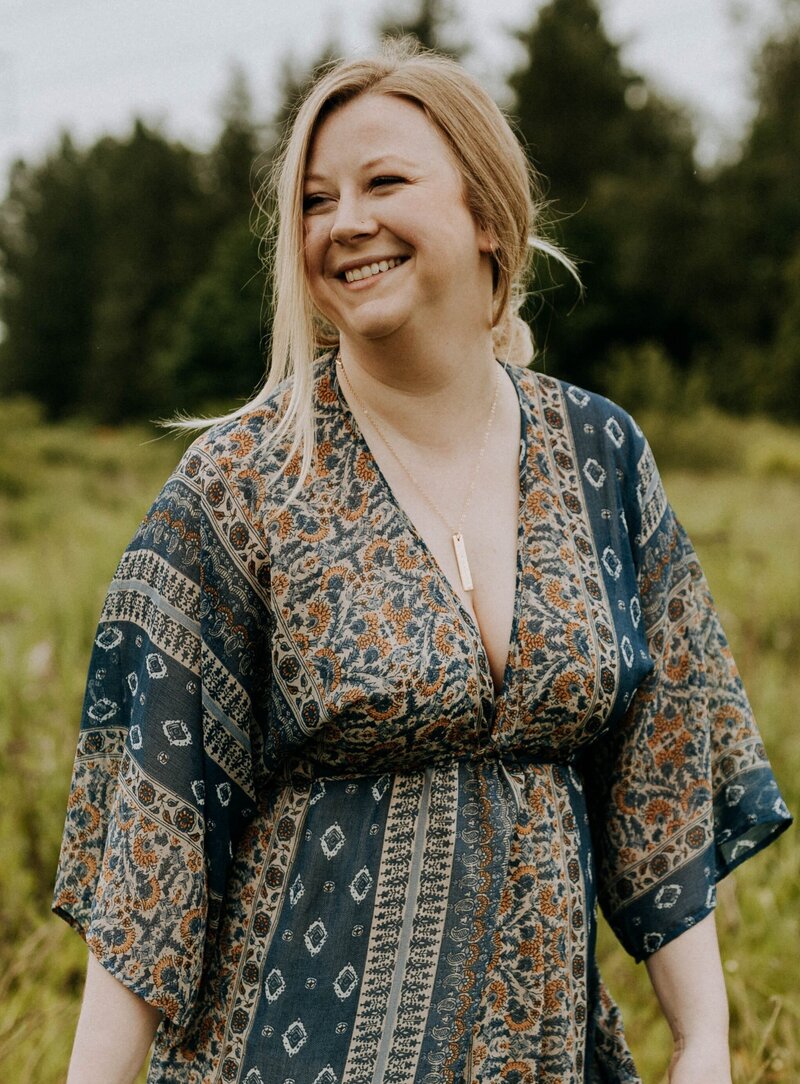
(70, 499)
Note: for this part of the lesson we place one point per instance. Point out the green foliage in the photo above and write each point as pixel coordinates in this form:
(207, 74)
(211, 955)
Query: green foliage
(235, 160)
(126, 273)
(643, 378)
(622, 191)
(102, 250)
(48, 230)
(214, 348)
(152, 242)
(748, 285)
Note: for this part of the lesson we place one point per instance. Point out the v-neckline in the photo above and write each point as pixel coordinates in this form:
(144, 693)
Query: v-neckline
(494, 696)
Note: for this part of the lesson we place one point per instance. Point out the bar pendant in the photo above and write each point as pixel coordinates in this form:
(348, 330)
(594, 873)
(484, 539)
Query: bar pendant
(463, 563)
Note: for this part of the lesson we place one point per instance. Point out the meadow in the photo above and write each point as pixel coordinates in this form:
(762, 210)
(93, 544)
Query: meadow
(71, 496)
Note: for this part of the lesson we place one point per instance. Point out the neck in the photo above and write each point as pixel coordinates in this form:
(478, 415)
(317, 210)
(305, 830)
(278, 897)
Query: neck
(431, 393)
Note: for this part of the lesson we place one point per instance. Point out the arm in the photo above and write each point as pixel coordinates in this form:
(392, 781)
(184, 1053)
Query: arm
(115, 1030)
(687, 977)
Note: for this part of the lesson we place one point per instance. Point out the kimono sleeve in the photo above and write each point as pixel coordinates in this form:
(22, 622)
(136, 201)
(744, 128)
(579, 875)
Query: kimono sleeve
(170, 755)
(680, 791)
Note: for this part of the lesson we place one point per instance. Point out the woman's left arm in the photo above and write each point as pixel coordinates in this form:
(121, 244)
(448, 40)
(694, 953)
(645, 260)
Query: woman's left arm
(687, 977)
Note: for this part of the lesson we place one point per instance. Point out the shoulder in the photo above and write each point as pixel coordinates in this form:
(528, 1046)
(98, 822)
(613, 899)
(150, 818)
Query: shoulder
(608, 447)
(248, 433)
(247, 460)
(598, 425)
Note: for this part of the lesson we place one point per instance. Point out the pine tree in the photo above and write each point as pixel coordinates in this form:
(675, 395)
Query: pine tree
(48, 228)
(623, 196)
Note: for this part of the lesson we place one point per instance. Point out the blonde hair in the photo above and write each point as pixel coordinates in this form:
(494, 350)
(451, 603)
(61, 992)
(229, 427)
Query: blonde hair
(500, 189)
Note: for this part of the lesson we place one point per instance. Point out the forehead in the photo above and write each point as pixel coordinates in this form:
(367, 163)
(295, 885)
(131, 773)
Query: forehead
(376, 126)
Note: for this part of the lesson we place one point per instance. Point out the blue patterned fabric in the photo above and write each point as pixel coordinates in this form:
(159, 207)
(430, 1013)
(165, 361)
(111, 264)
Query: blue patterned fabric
(303, 824)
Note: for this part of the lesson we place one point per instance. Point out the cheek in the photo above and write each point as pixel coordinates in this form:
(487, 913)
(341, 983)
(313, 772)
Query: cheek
(313, 248)
(308, 251)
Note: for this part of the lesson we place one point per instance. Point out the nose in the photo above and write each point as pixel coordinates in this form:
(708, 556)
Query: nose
(352, 220)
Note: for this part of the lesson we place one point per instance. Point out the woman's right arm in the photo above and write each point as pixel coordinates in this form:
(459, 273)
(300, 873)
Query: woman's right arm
(115, 1030)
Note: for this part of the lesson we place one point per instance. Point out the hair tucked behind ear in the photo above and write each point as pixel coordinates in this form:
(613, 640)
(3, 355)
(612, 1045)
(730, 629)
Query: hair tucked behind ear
(500, 186)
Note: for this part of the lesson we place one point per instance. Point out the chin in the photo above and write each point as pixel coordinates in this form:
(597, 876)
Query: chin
(372, 328)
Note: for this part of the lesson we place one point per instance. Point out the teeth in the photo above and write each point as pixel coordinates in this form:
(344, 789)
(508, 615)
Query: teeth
(370, 269)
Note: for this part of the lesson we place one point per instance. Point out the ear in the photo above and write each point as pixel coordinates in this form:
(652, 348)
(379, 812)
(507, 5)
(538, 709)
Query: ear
(487, 242)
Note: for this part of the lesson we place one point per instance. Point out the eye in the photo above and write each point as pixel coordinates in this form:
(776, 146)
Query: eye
(383, 181)
(313, 201)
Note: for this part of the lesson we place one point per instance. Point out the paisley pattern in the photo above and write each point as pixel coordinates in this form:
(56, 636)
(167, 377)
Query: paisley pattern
(303, 824)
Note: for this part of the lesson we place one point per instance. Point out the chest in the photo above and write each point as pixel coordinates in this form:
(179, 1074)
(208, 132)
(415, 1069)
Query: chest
(489, 530)
(382, 658)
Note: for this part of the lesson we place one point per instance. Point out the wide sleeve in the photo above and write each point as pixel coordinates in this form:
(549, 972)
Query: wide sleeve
(170, 755)
(681, 791)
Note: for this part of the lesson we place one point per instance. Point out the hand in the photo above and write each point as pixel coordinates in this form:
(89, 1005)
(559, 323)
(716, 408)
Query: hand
(700, 1062)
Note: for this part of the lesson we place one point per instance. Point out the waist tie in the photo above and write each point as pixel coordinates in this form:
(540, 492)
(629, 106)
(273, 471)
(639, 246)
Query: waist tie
(511, 764)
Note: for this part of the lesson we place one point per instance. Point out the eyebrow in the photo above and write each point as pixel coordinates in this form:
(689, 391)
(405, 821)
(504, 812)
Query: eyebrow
(404, 162)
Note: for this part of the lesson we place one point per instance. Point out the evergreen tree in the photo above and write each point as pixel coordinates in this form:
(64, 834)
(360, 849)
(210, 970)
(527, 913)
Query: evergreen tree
(47, 231)
(215, 356)
(623, 195)
(752, 239)
(295, 82)
(430, 22)
(237, 156)
(154, 235)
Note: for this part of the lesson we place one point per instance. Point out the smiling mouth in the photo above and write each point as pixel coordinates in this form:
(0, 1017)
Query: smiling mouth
(369, 270)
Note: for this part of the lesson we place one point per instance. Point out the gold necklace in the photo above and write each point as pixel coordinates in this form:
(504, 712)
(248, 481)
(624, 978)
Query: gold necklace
(457, 536)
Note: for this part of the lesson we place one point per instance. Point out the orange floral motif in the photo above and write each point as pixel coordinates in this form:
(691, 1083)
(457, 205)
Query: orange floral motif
(324, 450)
(431, 595)
(243, 442)
(285, 521)
(143, 852)
(152, 896)
(336, 573)
(314, 536)
(405, 559)
(519, 1072)
(377, 550)
(399, 618)
(364, 470)
(675, 754)
(538, 504)
(320, 613)
(292, 469)
(254, 479)
(554, 993)
(353, 513)
(679, 668)
(556, 596)
(659, 809)
(566, 685)
(444, 640)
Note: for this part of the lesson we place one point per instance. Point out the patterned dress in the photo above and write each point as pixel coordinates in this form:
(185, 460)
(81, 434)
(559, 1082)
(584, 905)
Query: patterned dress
(303, 824)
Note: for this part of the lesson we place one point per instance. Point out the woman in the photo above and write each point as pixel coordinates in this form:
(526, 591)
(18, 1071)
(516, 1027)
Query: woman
(408, 661)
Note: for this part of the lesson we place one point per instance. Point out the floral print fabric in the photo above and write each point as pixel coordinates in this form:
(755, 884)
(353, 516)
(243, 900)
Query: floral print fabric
(303, 824)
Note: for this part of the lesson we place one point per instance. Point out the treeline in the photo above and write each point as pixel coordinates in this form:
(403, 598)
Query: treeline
(132, 284)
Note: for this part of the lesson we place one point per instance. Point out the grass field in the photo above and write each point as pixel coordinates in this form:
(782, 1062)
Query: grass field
(71, 497)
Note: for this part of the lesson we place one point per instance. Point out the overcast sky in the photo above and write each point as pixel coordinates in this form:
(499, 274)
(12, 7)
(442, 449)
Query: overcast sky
(92, 65)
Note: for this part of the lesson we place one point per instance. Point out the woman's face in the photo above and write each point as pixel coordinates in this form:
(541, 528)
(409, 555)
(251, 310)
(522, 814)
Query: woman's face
(390, 244)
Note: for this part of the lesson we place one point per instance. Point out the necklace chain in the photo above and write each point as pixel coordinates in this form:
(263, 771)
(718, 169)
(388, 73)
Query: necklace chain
(458, 540)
